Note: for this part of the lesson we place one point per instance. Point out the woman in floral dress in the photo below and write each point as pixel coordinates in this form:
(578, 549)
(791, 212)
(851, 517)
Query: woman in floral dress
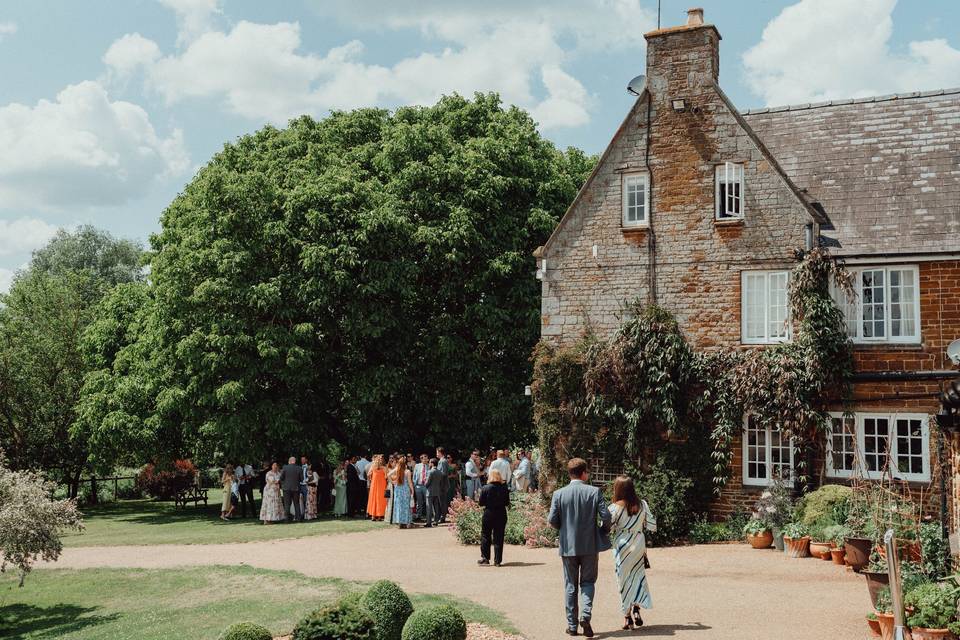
(271, 505)
(340, 487)
(629, 518)
(313, 481)
(402, 491)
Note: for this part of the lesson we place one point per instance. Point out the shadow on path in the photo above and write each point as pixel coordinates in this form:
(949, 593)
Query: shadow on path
(17, 620)
(654, 631)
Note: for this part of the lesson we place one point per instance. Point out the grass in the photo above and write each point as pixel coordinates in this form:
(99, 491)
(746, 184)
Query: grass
(172, 604)
(146, 522)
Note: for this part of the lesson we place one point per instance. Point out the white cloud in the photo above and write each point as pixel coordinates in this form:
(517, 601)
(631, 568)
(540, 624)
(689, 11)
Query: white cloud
(194, 17)
(827, 49)
(260, 71)
(130, 52)
(7, 29)
(23, 235)
(81, 150)
(6, 279)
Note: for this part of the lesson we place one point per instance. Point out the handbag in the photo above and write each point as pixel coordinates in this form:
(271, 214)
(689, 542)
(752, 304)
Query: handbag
(646, 562)
(386, 494)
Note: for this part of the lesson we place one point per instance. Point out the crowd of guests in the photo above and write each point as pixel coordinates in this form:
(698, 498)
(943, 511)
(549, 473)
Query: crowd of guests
(398, 489)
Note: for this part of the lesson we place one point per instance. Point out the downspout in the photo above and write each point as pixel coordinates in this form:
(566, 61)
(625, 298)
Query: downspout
(651, 238)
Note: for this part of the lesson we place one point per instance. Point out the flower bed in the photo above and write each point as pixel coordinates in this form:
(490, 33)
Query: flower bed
(526, 522)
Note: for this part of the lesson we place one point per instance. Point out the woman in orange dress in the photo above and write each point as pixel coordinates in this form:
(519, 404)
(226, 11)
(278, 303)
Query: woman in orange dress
(377, 502)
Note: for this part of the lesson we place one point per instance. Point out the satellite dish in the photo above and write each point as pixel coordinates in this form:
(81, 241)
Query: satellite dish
(637, 85)
(953, 352)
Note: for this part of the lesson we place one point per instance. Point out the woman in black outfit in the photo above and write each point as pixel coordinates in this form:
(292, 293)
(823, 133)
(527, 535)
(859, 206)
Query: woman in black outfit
(494, 498)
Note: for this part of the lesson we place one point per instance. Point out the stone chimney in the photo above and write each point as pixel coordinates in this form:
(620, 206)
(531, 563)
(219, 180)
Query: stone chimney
(682, 60)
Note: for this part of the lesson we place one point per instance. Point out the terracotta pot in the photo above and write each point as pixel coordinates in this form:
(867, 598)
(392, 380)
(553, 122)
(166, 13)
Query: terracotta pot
(876, 581)
(799, 548)
(907, 549)
(837, 556)
(858, 552)
(885, 622)
(760, 541)
(874, 627)
(817, 549)
(919, 633)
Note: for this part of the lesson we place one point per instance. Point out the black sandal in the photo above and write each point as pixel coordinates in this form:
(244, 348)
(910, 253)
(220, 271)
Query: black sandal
(637, 619)
(629, 623)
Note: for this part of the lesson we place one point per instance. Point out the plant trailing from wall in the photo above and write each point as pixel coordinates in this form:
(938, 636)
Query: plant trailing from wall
(646, 383)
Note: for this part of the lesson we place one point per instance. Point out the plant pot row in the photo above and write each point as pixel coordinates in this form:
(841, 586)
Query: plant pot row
(883, 627)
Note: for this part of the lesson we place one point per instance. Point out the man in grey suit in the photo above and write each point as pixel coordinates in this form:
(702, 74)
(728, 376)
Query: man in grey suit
(579, 511)
(436, 488)
(290, 483)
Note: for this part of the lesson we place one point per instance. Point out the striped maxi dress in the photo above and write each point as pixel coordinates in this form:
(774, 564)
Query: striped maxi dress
(629, 553)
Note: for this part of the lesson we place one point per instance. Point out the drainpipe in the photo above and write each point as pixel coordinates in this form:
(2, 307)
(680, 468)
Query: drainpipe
(651, 237)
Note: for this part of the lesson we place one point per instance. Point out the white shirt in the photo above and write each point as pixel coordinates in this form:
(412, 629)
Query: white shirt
(244, 473)
(503, 466)
(523, 469)
(361, 466)
(471, 469)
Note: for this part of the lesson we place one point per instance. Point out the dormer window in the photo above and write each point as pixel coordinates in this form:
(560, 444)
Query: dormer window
(635, 199)
(729, 195)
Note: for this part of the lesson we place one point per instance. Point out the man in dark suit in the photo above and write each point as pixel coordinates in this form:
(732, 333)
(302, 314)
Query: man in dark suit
(290, 484)
(354, 487)
(579, 511)
(436, 488)
(444, 468)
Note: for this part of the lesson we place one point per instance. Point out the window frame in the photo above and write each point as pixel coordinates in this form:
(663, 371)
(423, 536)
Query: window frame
(855, 307)
(767, 338)
(892, 453)
(720, 203)
(768, 458)
(625, 179)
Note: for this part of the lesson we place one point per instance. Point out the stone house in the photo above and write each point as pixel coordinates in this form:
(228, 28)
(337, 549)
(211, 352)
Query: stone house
(700, 208)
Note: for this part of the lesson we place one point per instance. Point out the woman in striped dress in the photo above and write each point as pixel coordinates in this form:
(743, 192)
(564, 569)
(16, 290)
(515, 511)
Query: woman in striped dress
(630, 517)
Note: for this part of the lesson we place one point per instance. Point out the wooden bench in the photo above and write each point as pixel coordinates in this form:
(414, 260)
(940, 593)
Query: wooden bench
(196, 495)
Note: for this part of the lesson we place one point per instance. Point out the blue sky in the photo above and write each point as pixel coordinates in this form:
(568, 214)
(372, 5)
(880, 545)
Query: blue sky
(108, 107)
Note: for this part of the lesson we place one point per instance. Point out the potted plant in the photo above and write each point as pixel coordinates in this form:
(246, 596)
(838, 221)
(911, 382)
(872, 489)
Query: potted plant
(933, 611)
(859, 541)
(837, 533)
(884, 613)
(775, 507)
(874, 624)
(820, 544)
(876, 576)
(758, 534)
(796, 541)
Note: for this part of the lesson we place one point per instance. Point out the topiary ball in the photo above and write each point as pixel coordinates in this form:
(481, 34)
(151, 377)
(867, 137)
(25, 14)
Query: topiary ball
(246, 631)
(389, 606)
(346, 620)
(435, 623)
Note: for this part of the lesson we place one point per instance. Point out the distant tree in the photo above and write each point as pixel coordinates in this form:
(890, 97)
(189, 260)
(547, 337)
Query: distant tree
(365, 278)
(31, 521)
(42, 367)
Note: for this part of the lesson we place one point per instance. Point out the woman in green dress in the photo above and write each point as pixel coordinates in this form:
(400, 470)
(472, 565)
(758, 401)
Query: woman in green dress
(340, 488)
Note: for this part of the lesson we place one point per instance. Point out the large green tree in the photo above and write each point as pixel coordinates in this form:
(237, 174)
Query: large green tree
(42, 367)
(366, 278)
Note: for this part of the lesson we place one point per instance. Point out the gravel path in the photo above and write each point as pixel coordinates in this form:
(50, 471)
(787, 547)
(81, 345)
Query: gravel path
(712, 592)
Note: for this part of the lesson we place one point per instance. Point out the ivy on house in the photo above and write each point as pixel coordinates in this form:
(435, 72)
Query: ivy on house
(625, 395)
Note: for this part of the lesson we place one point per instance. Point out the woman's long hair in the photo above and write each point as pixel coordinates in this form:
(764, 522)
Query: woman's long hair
(401, 469)
(495, 477)
(227, 472)
(624, 491)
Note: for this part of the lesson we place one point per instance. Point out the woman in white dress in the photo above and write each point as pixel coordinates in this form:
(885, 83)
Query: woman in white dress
(629, 518)
(271, 504)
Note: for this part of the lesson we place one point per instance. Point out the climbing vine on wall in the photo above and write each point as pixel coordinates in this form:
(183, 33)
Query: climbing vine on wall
(646, 383)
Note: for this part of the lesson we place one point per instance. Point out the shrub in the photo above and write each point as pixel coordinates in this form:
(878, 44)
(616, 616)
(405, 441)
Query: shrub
(775, 505)
(934, 606)
(246, 631)
(165, 483)
(465, 517)
(390, 607)
(346, 620)
(435, 623)
(935, 551)
(669, 495)
(821, 505)
(703, 532)
(31, 521)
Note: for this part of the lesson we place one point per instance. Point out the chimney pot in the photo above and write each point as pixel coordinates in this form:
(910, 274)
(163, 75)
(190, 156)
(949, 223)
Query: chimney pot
(694, 17)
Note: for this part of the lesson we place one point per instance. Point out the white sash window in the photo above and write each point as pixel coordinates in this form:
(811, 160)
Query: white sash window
(635, 199)
(879, 445)
(764, 307)
(886, 307)
(729, 193)
(767, 455)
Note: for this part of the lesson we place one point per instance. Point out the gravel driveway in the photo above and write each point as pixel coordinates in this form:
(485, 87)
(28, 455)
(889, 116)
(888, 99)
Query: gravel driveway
(707, 592)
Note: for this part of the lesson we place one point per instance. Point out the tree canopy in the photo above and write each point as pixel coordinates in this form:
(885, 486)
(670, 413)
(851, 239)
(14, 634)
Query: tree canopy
(365, 278)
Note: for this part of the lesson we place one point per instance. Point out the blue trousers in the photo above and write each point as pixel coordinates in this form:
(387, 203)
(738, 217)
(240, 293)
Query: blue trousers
(579, 573)
(420, 495)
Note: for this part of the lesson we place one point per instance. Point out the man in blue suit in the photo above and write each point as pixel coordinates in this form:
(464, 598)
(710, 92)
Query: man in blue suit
(579, 511)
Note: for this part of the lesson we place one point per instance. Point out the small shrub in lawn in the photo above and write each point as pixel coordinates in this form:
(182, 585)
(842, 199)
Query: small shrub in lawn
(465, 516)
(435, 623)
(346, 620)
(390, 607)
(246, 631)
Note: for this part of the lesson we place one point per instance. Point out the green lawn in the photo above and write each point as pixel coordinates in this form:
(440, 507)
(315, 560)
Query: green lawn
(146, 522)
(195, 603)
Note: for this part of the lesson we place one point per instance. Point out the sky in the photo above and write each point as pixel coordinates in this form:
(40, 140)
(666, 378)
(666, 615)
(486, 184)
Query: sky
(108, 107)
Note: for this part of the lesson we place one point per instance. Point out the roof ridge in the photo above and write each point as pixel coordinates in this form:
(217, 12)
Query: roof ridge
(840, 102)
